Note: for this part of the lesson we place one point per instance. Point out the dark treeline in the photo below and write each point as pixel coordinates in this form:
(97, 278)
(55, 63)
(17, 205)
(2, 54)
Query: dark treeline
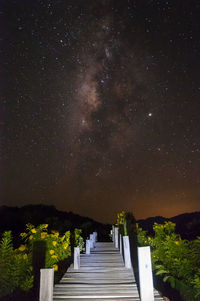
(16, 218)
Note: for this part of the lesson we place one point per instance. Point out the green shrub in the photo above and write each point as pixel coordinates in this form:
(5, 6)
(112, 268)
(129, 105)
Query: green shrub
(16, 271)
(57, 247)
(122, 222)
(15, 267)
(177, 260)
(79, 241)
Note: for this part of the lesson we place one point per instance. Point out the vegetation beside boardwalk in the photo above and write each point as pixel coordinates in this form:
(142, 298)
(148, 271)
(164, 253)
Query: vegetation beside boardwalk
(42, 245)
(39, 248)
(176, 261)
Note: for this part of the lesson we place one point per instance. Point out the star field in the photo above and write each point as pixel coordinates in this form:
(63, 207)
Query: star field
(100, 106)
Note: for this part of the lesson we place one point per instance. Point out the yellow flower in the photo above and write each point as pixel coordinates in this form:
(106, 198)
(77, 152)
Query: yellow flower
(177, 242)
(25, 256)
(43, 235)
(23, 234)
(54, 242)
(51, 252)
(65, 246)
(33, 231)
(22, 248)
(63, 237)
(46, 226)
(149, 238)
(31, 237)
(55, 266)
(54, 256)
(55, 235)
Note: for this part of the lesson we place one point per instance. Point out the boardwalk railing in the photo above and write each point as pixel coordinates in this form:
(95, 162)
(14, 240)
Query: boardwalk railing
(147, 291)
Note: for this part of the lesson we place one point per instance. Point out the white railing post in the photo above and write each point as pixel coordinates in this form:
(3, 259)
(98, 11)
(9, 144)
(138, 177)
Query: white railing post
(145, 274)
(95, 236)
(46, 284)
(113, 233)
(91, 241)
(116, 238)
(87, 251)
(76, 258)
(127, 254)
(120, 243)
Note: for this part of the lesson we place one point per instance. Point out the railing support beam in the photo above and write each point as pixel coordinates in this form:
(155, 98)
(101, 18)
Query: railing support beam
(116, 238)
(127, 254)
(91, 241)
(87, 247)
(120, 244)
(76, 258)
(46, 284)
(145, 274)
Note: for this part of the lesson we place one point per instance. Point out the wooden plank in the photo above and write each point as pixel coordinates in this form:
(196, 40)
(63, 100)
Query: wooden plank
(94, 289)
(115, 292)
(87, 296)
(90, 286)
(98, 276)
(98, 298)
(94, 281)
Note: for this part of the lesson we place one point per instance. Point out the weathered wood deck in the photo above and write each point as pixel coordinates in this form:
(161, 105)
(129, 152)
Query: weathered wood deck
(102, 276)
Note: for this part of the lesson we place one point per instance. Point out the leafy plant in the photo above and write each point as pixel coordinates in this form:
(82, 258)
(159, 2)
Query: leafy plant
(15, 267)
(121, 220)
(57, 247)
(79, 241)
(142, 237)
(175, 259)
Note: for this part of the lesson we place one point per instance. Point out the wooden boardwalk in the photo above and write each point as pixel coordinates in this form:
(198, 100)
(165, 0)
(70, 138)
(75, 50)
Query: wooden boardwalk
(102, 276)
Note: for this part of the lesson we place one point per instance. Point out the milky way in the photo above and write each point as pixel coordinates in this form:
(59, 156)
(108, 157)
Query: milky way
(100, 106)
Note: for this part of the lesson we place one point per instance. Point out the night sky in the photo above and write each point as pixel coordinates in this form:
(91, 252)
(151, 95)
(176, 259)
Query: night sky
(100, 106)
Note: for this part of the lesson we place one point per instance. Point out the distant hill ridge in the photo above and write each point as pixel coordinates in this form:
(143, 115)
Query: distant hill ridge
(15, 219)
(39, 213)
(187, 224)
